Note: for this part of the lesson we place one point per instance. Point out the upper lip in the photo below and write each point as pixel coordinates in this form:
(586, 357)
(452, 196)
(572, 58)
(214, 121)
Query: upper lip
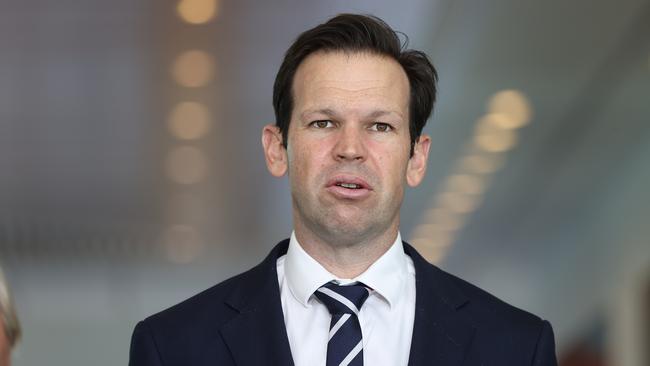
(344, 178)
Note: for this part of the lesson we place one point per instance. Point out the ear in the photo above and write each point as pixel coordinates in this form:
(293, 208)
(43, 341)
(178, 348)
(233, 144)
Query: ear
(274, 151)
(417, 165)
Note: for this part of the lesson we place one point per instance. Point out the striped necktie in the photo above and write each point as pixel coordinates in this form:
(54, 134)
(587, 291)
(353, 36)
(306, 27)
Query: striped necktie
(345, 346)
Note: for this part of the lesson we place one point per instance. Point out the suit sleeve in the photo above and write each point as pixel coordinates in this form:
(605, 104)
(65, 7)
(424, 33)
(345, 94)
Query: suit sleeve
(144, 351)
(545, 348)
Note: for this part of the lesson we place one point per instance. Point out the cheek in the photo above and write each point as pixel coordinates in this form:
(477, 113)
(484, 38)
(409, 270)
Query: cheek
(309, 155)
(304, 164)
(390, 160)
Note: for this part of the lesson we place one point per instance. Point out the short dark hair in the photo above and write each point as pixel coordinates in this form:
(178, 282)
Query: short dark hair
(358, 33)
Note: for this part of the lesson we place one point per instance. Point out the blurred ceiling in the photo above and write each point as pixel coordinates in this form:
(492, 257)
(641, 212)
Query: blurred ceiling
(86, 91)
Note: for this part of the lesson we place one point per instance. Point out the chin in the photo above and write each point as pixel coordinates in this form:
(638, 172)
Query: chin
(347, 232)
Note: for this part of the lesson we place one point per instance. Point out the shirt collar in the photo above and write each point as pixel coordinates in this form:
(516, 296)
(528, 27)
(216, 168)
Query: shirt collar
(386, 276)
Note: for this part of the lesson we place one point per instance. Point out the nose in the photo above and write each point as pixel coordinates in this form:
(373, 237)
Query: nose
(350, 145)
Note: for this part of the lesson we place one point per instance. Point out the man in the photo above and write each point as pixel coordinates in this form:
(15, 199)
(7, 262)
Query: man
(350, 106)
(9, 325)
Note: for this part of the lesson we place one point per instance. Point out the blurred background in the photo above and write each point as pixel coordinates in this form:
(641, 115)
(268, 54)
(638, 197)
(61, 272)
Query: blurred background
(132, 174)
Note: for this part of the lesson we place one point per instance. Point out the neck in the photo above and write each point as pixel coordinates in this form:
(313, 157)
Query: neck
(345, 261)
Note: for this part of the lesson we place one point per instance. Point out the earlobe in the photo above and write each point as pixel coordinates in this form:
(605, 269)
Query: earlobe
(274, 151)
(417, 164)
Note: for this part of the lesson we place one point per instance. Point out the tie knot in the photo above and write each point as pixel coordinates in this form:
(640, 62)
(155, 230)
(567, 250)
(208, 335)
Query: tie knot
(341, 299)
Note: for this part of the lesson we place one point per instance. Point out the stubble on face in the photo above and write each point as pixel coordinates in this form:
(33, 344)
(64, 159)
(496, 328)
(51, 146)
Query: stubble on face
(343, 224)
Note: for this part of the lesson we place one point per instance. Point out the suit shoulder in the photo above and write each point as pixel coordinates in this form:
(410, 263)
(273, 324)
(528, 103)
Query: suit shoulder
(219, 303)
(505, 327)
(188, 332)
(488, 309)
(208, 306)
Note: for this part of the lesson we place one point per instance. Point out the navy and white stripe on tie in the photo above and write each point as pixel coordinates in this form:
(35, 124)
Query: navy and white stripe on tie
(345, 346)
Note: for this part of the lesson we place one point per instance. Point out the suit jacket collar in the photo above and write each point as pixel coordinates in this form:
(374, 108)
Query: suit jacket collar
(442, 335)
(257, 334)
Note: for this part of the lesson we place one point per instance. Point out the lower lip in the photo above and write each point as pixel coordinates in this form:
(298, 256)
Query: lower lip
(347, 193)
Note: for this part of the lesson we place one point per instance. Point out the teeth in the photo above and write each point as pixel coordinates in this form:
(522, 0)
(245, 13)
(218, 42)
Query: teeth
(349, 185)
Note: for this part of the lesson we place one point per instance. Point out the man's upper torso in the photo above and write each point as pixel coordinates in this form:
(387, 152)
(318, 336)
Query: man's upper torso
(386, 317)
(240, 322)
(351, 102)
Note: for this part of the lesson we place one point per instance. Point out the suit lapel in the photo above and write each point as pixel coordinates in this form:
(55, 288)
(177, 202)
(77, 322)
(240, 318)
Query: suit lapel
(257, 334)
(441, 335)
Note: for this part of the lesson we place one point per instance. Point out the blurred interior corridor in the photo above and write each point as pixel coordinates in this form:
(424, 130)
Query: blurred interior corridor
(132, 175)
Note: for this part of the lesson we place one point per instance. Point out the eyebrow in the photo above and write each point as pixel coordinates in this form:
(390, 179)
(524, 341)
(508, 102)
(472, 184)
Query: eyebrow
(326, 111)
(331, 113)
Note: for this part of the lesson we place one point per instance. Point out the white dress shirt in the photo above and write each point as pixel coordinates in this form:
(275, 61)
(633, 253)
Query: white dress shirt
(386, 317)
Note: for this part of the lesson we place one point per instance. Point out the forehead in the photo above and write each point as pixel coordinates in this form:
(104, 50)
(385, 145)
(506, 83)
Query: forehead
(354, 82)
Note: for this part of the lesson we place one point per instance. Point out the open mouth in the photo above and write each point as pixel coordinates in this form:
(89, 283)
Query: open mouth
(349, 185)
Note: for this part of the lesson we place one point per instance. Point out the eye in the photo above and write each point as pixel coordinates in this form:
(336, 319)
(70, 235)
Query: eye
(381, 127)
(324, 123)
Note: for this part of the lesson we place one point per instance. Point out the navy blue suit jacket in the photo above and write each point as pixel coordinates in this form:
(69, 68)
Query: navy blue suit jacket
(240, 322)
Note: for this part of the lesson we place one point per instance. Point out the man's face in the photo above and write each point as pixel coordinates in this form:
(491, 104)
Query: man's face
(348, 146)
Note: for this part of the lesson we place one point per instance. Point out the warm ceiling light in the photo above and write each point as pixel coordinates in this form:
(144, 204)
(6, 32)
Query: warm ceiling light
(433, 254)
(442, 240)
(466, 183)
(433, 234)
(435, 214)
(197, 11)
(481, 163)
(496, 142)
(459, 203)
(193, 69)
(512, 104)
(489, 137)
(499, 120)
(189, 120)
(450, 222)
(432, 241)
(424, 230)
(186, 165)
